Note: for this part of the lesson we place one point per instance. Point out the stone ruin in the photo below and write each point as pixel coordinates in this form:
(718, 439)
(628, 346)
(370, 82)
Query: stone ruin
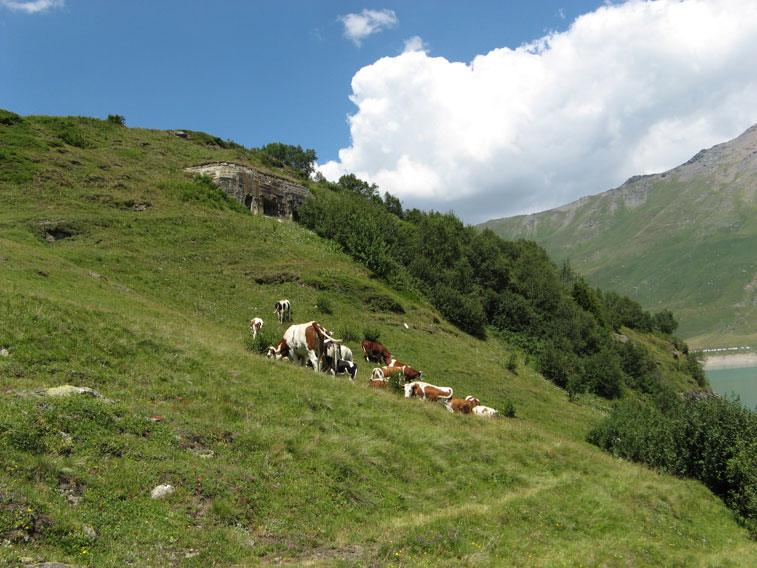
(259, 191)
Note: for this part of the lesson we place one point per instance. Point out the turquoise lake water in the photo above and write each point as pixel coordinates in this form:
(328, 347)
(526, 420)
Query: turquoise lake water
(742, 381)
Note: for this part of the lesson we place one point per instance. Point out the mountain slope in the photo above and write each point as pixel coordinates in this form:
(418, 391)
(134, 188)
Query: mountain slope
(683, 239)
(120, 274)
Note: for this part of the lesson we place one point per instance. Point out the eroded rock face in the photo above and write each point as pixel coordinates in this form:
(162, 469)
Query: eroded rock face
(262, 193)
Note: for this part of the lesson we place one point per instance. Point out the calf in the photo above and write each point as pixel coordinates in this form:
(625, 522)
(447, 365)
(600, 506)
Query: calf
(283, 309)
(255, 325)
(427, 391)
(345, 368)
(332, 352)
(458, 405)
(375, 352)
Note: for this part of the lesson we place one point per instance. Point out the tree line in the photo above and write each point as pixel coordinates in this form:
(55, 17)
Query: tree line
(484, 284)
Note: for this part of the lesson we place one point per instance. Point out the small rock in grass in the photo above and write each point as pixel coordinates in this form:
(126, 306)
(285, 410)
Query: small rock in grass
(161, 491)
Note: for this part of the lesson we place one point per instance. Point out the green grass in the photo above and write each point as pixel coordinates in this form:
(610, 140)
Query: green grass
(151, 307)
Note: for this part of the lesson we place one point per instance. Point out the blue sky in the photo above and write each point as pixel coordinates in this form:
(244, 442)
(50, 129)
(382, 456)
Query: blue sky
(488, 108)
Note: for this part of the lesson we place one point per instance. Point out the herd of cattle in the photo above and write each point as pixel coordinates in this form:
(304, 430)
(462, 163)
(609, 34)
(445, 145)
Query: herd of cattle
(310, 344)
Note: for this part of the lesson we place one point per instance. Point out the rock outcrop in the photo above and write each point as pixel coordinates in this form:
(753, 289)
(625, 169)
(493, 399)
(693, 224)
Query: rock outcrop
(261, 192)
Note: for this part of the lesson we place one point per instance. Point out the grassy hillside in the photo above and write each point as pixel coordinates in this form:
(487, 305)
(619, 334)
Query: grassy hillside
(120, 274)
(683, 240)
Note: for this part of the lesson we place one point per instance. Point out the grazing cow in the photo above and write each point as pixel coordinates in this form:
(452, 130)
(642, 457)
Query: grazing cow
(255, 325)
(378, 383)
(385, 372)
(345, 367)
(427, 391)
(301, 342)
(458, 405)
(283, 309)
(375, 352)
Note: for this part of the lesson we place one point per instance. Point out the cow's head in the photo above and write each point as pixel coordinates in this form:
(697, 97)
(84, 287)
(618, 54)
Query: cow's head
(410, 390)
(473, 401)
(271, 354)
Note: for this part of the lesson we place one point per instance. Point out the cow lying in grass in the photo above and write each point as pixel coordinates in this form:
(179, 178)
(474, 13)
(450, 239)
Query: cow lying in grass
(427, 391)
(479, 410)
(458, 405)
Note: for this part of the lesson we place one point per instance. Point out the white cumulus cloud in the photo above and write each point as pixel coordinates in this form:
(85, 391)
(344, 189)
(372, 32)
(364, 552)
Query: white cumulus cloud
(357, 27)
(628, 89)
(32, 6)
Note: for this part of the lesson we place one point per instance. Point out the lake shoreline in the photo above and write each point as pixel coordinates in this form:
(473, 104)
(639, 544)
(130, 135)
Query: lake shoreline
(714, 362)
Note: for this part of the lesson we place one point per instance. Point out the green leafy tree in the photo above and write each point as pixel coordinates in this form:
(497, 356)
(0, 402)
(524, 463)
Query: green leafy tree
(293, 156)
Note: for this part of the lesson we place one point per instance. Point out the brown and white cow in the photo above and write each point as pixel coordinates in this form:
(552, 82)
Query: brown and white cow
(301, 343)
(459, 405)
(255, 325)
(385, 372)
(485, 411)
(283, 309)
(411, 374)
(378, 383)
(427, 391)
(479, 410)
(373, 351)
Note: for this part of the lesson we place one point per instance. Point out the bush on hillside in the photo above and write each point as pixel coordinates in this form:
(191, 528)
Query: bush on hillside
(117, 119)
(371, 334)
(712, 440)
(323, 305)
(9, 118)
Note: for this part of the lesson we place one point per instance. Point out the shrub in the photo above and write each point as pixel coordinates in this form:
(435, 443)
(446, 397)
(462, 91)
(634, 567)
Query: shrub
(261, 342)
(117, 119)
(323, 305)
(371, 333)
(396, 384)
(73, 137)
(9, 118)
(508, 409)
(714, 441)
(512, 363)
(349, 334)
(383, 303)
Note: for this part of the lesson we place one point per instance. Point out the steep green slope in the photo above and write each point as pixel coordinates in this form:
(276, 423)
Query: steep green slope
(120, 274)
(684, 239)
